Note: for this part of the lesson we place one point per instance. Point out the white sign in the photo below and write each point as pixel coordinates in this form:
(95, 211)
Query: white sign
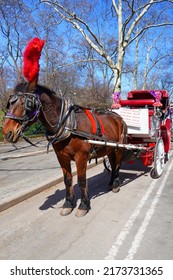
(132, 117)
(137, 120)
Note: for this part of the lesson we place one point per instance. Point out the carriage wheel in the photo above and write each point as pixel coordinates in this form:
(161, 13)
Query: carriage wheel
(106, 164)
(159, 159)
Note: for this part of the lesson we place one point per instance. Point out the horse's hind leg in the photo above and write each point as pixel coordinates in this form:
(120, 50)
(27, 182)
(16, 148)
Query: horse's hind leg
(84, 206)
(69, 203)
(115, 162)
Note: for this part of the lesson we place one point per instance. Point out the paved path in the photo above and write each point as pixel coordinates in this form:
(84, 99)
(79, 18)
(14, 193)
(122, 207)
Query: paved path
(133, 224)
(26, 170)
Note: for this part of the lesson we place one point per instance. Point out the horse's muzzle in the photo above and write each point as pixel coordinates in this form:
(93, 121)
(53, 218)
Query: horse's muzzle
(12, 137)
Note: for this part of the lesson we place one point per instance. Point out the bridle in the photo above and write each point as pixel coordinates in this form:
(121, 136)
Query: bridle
(31, 105)
(30, 114)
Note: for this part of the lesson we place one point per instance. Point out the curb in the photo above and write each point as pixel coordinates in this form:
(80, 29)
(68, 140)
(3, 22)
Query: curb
(12, 202)
(25, 154)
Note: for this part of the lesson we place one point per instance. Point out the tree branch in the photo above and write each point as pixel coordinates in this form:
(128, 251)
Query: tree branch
(74, 20)
(148, 27)
(115, 7)
(83, 61)
(138, 18)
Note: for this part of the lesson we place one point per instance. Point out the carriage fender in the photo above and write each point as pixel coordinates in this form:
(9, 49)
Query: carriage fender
(166, 135)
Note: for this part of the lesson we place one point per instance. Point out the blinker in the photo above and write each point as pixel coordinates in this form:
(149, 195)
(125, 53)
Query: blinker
(29, 104)
(12, 99)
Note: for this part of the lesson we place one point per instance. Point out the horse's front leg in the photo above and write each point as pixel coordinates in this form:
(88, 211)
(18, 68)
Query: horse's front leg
(84, 206)
(69, 203)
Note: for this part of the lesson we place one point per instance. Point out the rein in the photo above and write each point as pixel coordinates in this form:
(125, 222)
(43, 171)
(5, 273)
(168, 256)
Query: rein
(27, 140)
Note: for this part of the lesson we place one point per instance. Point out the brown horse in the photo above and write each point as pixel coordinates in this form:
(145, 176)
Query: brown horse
(67, 127)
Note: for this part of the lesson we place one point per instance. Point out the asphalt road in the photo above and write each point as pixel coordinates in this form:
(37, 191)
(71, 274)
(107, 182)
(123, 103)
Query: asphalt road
(135, 223)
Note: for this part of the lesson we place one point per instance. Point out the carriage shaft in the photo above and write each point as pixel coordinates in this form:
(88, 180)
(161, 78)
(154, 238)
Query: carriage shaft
(117, 145)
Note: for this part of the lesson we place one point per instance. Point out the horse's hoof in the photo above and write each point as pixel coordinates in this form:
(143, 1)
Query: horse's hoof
(115, 190)
(116, 183)
(81, 212)
(66, 211)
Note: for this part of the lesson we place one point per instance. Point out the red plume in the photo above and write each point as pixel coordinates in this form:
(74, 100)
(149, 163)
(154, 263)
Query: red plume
(31, 58)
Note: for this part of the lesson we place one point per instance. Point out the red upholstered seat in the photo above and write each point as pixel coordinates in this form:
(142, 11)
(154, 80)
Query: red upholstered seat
(137, 102)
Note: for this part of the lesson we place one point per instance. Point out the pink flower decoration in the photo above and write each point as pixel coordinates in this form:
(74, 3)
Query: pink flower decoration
(116, 98)
(158, 95)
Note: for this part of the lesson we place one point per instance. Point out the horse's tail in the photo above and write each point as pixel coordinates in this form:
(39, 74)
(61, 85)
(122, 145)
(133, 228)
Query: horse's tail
(123, 132)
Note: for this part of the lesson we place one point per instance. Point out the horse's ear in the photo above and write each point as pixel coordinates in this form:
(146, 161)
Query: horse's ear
(32, 85)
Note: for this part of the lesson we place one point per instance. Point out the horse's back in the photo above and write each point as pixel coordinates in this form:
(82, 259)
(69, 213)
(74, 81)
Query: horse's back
(114, 125)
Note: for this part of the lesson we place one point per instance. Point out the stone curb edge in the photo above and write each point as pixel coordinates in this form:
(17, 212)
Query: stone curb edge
(20, 198)
(20, 155)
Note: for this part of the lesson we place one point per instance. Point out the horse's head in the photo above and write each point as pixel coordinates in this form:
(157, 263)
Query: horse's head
(23, 108)
(24, 105)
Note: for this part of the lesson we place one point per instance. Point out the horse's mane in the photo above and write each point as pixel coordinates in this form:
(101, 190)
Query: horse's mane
(21, 87)
(24, 87)
(48, 91)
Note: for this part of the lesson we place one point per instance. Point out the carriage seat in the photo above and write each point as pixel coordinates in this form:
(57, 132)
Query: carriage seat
(137, 102)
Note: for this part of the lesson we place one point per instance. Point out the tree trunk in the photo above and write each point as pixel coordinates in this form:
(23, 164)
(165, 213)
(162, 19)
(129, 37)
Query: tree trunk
(146, 69)
(135, 73)
(118, 70)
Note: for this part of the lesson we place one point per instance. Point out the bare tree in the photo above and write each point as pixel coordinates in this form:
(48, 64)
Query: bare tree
(152, 51)
(95, 49)
(13, 14)
(125, 14)
(3, 86)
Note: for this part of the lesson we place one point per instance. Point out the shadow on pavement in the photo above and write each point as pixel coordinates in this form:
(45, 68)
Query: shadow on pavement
(97, 189)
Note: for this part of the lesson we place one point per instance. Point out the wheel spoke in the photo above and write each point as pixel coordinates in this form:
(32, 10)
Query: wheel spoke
(159, 157)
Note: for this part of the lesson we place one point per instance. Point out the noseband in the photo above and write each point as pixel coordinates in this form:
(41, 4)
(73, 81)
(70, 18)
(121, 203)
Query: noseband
(32, 107)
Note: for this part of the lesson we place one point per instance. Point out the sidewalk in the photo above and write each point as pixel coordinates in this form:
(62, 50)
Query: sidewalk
(26, 170)
(22, 148)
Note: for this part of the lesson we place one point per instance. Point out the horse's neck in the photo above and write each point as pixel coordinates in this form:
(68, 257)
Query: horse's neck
(50, 111)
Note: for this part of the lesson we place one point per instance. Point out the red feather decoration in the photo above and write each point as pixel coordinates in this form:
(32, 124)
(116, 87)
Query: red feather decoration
(31, 58)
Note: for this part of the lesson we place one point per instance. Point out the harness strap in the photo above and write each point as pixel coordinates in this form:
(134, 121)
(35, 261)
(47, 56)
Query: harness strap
(64, 115)
(86, 134)
(97, 125)
(101, 124)
(66, 120)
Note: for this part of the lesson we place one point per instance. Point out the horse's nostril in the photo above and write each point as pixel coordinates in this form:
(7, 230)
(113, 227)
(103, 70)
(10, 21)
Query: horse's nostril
(9, 136)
